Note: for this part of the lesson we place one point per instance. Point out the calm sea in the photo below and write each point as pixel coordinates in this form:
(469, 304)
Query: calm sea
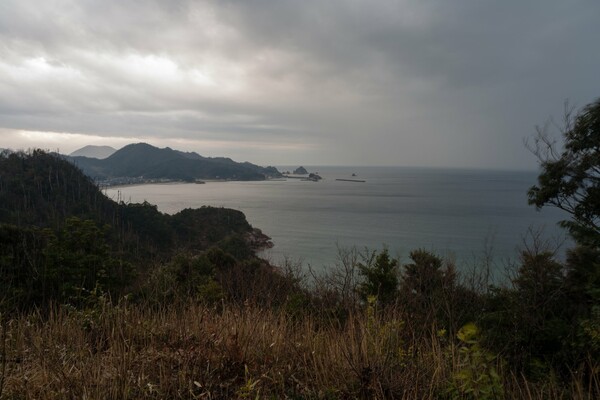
(457, 213)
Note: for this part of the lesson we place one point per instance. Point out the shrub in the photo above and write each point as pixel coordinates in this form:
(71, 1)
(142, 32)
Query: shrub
(476, 376)
(380, 274)
(428, 288)
(531, 321)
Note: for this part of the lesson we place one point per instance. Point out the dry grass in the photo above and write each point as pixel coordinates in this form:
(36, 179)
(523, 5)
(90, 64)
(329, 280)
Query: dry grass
(198, 352)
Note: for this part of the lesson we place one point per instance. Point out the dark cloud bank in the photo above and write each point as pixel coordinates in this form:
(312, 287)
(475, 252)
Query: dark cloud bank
(435, 83)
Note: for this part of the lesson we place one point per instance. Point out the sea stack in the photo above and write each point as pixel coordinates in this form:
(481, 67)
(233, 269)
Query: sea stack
(300, 171)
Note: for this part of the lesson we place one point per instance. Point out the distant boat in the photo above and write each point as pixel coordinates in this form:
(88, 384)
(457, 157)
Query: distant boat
(199, 182)
(353, 174)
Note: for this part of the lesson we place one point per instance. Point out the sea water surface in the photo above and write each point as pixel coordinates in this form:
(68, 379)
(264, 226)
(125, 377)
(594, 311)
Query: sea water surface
(463, 214)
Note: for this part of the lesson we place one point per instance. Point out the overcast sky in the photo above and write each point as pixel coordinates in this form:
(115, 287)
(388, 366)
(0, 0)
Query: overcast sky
(426, 83)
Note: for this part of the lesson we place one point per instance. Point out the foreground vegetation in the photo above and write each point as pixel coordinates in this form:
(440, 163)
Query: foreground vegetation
(243, 331)
(247, 351)
(102, 299)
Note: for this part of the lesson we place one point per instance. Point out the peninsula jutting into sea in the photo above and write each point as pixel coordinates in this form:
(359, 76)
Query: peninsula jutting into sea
(143, 163)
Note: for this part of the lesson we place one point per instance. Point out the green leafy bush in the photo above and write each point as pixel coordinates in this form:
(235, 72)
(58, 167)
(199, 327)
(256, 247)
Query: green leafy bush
(476, 375)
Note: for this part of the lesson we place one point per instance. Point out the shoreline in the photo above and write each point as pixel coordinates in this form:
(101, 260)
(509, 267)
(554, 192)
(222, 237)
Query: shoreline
(174, 182)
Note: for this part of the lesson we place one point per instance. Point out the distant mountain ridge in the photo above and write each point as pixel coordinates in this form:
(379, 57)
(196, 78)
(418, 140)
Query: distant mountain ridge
(91, 151)
(149, 162)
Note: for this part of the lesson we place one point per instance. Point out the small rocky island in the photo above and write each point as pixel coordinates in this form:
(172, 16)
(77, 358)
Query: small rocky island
(314, 177)
(300, 171)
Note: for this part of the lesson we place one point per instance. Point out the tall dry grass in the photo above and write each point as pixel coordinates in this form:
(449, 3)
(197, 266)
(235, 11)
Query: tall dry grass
(200, 352)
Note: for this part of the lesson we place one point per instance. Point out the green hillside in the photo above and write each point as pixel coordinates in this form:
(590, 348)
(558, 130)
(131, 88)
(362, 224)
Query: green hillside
(149, 162)
(59, 234)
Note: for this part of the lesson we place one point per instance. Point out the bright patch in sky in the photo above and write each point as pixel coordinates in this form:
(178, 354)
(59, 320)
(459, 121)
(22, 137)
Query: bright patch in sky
(66, 143)
(38, 70)
(151, 67)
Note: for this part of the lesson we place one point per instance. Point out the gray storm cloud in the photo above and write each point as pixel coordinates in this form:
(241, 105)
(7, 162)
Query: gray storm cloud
(338, 82)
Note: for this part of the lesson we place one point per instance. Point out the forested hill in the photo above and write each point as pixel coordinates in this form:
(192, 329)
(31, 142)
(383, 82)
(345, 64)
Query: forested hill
(149, 162)
(41, 189)
(54, 220)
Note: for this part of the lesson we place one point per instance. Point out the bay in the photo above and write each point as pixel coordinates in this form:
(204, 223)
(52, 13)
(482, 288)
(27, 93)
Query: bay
(462, 214)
